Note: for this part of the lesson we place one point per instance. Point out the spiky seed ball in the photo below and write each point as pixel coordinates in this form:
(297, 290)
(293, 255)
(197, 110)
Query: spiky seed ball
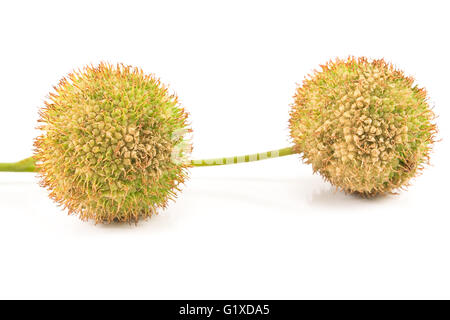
(111, 144)
(363, 125)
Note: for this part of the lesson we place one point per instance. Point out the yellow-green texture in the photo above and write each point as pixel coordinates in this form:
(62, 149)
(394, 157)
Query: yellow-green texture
(111, 145)
(363, 125)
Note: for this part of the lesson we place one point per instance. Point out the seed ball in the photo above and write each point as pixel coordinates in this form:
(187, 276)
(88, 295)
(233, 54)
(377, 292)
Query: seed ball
(363, 125)
(113, 144)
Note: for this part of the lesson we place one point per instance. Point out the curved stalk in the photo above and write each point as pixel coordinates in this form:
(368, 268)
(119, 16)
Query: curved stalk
(29, 164)
(245, 158)
(25, 165)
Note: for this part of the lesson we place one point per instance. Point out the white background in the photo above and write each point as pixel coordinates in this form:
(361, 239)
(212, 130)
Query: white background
(267, 230)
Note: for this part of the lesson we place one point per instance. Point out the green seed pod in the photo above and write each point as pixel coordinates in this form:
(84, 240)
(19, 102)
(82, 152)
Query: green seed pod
(363, 125)
(113, 144)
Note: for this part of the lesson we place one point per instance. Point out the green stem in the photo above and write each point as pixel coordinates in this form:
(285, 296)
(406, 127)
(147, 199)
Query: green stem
(26, 165)
(29, 164)
(247, 158)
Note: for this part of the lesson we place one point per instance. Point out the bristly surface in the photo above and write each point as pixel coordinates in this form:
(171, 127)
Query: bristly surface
(363, 125)
(111, 144)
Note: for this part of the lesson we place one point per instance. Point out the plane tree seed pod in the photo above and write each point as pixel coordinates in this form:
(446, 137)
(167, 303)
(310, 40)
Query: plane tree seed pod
(363, 125)
(108, 141)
